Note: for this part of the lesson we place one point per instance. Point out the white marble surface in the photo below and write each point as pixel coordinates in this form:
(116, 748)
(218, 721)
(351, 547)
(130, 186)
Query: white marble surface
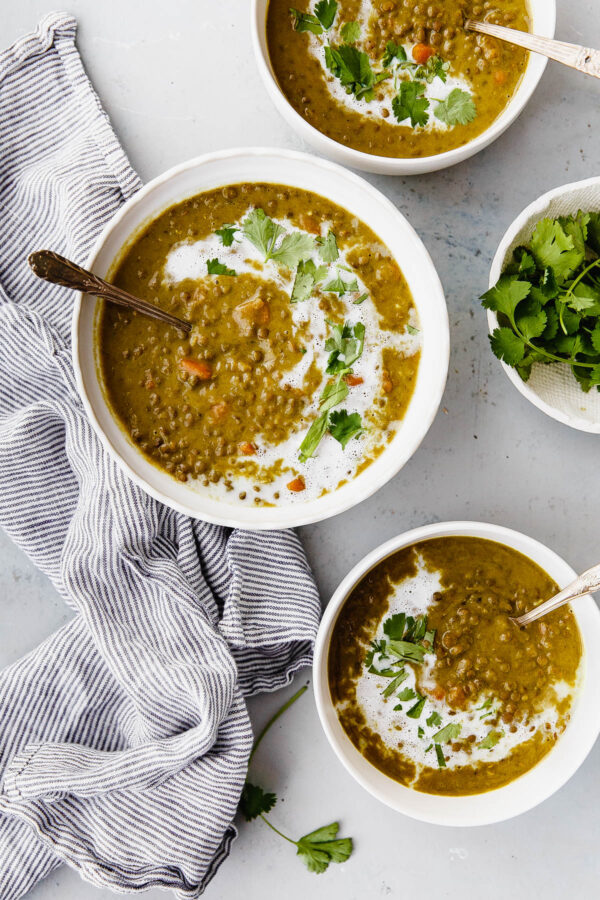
(491, 456)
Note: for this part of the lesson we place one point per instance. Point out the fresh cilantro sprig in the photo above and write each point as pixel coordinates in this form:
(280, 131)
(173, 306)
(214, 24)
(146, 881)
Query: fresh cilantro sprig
(353, 69)
(227, 234)
(548, 300)
(214, 267)
(317, 849)
(344, 347)
(264, 233)
(316, 23)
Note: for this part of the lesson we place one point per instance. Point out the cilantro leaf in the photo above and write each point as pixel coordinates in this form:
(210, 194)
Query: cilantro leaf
(408, 694)
(552, 246)
(507, 346)
(353, 69)
(307, 276)
(409, 103)
(394, 683)
(394, 626)
(393, 51)
(415, 711)
(350, 32)
(214, 267)
(227, 234)
(338, 286)
(261, 231)
(325, 11)
(434, 720)
(313, 437)
(344, 347)
(328, 248)
(506, 295)
(447, 734)
(254, 801)
(321, 847)
(435, 67)
(306, 22)
(343, 426)
(293, 249)
(531, 319)
(360, 299)
(441, 759)
(457, 109)
(491, 740)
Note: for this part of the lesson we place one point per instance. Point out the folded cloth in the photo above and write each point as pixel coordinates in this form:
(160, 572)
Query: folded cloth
(124, 737)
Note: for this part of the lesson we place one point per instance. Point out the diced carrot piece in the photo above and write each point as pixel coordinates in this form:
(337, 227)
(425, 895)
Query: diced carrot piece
(247, 448)
(296, 485)
(500, 76)
(387, 382)
(353, 380)
(197, 367)
(421, 53)
(438, 693)
(219, 410)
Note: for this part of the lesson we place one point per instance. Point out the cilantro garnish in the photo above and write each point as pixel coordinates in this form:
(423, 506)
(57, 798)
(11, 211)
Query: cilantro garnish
(263, 232)
(350, 32)
(434, 720)
(548, 300)
(415, 711)
(447, 734)
(491, 740)
(441, 759)
(457, 109)
(360, 299)
(344, 426)
(320, 21)
(435, 67)
(344, 347)
(337, 285)
(317, 849)
(393, 51)
(214, 267)
(409, 103)
(353, 68)
(307, 276)
(328, 248)
(227, 234)
(395, 683)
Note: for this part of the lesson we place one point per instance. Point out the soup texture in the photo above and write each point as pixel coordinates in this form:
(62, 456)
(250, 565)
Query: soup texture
(396, 78)
(303, 353)
(434, 684)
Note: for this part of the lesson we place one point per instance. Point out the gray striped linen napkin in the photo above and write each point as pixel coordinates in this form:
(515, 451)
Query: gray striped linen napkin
(124, 737)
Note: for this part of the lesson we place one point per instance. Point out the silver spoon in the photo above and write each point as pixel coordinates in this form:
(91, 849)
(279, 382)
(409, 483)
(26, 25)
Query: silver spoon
(577, 57)
(55, 268)
(583, 584)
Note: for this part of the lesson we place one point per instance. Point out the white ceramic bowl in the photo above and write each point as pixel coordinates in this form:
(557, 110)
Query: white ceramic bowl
(552, 388)
(354, 194)
(531, 788)
(543, 16)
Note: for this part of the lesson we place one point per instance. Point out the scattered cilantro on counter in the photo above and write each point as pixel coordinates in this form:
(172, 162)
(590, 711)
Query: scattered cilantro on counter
(548, 300)
(317, 849)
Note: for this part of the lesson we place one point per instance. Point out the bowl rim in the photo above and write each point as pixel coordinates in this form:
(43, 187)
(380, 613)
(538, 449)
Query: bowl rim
(368, 162)
(297, 514)
(506, 801)
(536, 208)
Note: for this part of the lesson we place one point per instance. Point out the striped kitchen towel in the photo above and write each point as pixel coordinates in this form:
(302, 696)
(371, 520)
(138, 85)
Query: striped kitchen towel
(124, 737)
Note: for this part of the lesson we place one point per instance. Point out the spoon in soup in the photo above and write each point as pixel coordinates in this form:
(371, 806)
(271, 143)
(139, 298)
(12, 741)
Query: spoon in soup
(55, 268)
(577, 57)
(583, 584)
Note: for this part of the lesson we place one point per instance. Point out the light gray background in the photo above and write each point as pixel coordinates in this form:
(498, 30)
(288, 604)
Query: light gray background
(179, 79)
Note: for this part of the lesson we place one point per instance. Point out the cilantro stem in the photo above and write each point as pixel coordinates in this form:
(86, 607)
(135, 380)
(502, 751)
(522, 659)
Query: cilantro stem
(277, 831)
(273, 719)
(561, 359)
(582, 275)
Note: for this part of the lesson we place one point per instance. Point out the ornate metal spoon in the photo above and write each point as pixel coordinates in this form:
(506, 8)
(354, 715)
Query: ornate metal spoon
(55, 268)
(583, 584)
(577, 57)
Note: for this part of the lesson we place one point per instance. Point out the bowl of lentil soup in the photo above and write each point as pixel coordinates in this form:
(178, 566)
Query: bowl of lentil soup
(437, 704)
(397, 86)
(319, 348)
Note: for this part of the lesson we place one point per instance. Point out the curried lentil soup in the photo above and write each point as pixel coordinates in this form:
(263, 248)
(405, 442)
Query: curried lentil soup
(432, 682)
(303, 354)
(396, 78)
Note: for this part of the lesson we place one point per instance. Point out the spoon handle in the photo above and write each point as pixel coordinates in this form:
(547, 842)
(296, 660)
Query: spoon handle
(574, 55)
(55, 268)
(584, 584)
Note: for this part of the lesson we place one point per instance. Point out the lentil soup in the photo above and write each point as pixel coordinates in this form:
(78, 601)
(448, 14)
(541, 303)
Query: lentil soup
(396, 78)
(303, 354)
(432, 682)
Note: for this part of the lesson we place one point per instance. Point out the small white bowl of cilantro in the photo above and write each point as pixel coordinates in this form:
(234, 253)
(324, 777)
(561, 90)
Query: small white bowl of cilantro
(544, 304)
